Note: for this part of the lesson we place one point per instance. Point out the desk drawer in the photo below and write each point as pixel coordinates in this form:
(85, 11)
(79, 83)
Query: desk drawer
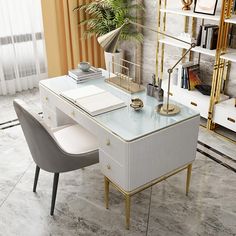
(47, 98)
(113, 146)
(49, 117)
(112, 169)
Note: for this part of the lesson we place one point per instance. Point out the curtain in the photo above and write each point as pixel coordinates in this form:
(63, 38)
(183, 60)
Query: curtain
(22, 57)
(66, 45)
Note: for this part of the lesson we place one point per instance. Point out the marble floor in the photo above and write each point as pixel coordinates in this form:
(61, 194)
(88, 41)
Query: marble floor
(210, 208)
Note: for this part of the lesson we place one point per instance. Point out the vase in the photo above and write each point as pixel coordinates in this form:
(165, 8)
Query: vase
(116, 59)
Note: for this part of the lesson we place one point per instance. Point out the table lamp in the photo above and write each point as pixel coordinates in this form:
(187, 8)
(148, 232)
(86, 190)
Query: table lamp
(109, 43)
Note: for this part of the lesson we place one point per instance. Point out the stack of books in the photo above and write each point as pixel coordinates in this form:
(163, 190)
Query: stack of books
(207, 36)
(82, 76)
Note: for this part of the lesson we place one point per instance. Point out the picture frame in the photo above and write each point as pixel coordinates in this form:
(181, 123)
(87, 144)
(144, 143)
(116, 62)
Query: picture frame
(207, 7)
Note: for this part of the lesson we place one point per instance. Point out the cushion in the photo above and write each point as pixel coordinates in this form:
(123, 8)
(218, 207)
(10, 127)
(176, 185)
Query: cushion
(75, 139)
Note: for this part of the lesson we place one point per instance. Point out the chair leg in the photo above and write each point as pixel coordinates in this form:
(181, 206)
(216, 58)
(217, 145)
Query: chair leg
(54, 192)
(36, 176)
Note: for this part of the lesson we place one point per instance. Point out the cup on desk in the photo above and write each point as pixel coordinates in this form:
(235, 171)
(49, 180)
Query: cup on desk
(84, 66)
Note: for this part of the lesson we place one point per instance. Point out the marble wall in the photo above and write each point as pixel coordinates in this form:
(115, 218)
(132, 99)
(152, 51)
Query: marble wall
(175, 27)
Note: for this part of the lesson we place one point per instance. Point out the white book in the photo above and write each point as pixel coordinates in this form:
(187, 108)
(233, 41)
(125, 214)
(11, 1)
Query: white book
(94, 100)
(78, 93)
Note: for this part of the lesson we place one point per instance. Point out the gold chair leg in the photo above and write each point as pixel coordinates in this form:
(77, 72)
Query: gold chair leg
(189, 171)
(127, 210)
(106, 182)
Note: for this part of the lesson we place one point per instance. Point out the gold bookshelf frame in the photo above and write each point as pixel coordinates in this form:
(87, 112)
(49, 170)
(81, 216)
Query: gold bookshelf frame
(221, 66)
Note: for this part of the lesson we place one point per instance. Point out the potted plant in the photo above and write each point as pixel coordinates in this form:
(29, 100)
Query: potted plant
(107, 15)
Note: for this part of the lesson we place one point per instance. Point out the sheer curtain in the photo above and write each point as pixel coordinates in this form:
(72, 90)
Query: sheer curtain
(22, 53)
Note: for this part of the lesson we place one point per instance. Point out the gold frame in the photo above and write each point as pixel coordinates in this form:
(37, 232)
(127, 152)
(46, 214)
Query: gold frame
(221, 66)
(129, 194)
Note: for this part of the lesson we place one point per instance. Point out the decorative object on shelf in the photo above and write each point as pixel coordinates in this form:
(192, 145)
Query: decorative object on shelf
(187, 4)
(108, 15)
(204, 89)
(84, 66)
(207, 7)
(136, 104)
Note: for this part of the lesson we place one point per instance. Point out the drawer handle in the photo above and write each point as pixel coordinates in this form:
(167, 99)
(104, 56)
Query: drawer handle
(231, 120)
(108, 167)
(46, 98)
(194, 104)
(108, 142)
(49, 117)
(171, 94)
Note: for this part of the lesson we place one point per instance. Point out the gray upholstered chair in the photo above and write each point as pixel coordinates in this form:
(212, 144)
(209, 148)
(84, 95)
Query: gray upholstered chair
(63, 149)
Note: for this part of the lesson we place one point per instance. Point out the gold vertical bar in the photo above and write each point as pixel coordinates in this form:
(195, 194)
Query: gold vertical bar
(189, 171)
(159, 29)
(163, 45)
(106, 185)
(194, 35)
(127, 211)
(186, 30)
(217, 74)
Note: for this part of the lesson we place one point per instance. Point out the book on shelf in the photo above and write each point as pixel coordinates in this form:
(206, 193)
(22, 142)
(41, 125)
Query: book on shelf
(189, 75)
(93, 100)
(193, 76)
(80, 76)
(207, 36)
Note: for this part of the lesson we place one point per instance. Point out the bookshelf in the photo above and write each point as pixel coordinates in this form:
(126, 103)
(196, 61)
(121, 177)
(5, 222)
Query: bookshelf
(219, 108)
(179, 11)
(178, 44)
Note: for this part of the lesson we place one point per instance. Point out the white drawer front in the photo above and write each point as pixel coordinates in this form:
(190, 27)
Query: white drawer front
(225, 118)
(113, 146)
(47, 98)
(49, 117)
(113, 170)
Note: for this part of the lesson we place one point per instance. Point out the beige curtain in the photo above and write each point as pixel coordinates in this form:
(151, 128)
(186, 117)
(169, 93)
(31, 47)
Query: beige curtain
(65, 44)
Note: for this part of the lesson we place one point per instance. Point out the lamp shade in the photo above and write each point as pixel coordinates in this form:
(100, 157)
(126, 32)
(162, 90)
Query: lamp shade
(110, 40)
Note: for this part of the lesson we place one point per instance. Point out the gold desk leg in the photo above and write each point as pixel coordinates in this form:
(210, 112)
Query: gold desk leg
(127, 210)
(106, 183)
(189, 171)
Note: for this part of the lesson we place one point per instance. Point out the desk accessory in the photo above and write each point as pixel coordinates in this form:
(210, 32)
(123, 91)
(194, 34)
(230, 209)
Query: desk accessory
(123, 78)
(109, 43)
(136, 104)
(84, 66)
(151, 88)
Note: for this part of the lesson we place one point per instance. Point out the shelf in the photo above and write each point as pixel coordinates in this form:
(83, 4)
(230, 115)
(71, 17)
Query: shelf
(231, 20)
(178, 44)
(230, 55)
(192, 99)
(179, 11)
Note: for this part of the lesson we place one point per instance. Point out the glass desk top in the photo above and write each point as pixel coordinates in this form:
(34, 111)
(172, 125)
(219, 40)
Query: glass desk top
(124, 122)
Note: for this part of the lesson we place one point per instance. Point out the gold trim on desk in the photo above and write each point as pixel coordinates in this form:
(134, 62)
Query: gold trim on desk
(129, 194)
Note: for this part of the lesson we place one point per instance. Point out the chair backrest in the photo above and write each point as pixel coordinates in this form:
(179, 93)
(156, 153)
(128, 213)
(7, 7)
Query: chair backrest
(43, 147)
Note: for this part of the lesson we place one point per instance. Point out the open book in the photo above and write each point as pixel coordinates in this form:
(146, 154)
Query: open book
(93, 100)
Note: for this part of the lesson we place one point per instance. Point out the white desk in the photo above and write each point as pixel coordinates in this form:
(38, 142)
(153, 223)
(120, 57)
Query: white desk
(136, 149)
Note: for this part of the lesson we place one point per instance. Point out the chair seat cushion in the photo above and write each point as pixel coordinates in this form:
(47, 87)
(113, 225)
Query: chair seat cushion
(75, 139)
